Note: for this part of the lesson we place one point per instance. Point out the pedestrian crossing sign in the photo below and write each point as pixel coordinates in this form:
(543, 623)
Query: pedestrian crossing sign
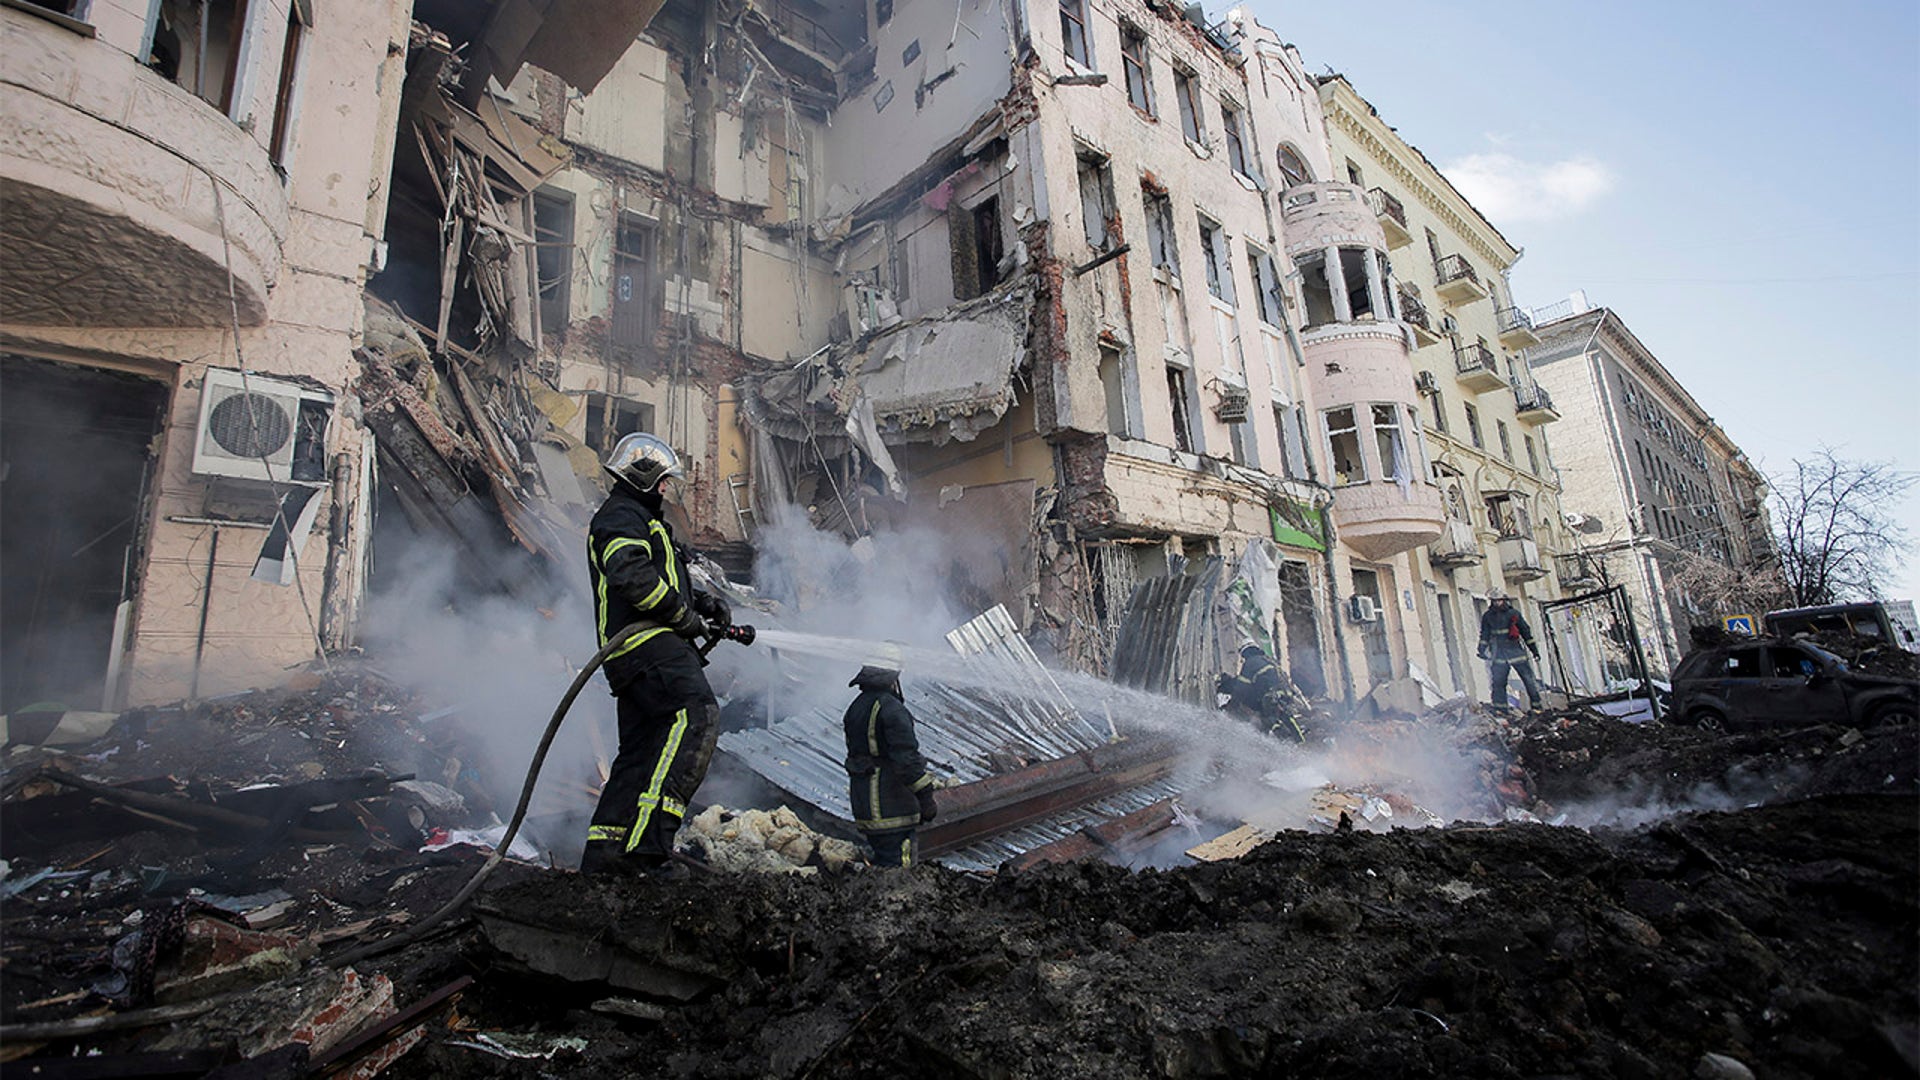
(1740, 624)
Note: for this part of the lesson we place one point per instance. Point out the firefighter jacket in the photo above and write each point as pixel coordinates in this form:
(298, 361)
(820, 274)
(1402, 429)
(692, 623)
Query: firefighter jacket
(1259, 676)
(885, 772)
(1504, 635)
(638, 574)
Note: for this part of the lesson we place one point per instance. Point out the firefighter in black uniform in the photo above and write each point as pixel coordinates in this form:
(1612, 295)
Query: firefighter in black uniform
(888, 782)
(668, 715)
(1263, 695)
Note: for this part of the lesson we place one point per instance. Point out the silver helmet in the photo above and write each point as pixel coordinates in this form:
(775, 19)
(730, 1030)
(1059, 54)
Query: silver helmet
(643, 460)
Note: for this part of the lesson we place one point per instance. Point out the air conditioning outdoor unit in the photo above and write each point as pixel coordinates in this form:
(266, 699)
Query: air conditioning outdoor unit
(1232, 408)
(255, 427)
(1426, 383)
(1361, 609)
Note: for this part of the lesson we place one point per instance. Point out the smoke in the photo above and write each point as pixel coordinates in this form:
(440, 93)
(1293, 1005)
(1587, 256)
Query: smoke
(499, 664)
(1646, 801)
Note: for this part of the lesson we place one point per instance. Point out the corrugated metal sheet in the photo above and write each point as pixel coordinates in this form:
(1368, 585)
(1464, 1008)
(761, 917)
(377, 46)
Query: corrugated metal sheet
(988, 854)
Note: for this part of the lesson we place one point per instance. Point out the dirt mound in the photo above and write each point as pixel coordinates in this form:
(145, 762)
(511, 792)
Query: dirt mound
(1784, 937)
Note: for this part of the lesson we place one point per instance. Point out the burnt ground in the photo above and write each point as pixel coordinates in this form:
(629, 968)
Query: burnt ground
(1780, 930)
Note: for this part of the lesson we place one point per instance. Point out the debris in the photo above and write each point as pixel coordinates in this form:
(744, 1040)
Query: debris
(522, 1047)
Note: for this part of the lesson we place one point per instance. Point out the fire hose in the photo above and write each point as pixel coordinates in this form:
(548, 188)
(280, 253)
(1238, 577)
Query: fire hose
(729, 632)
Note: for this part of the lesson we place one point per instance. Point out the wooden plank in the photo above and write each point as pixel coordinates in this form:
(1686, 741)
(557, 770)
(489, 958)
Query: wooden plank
(1230, 845)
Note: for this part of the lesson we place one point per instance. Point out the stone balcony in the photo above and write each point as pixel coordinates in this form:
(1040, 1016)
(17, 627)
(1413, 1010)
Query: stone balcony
(1520, 559)
(1458, 546)
(1516, 328)
(1477, 369)
(1392, 217)
(1456, 282)
(125, 199)
(1532, 404)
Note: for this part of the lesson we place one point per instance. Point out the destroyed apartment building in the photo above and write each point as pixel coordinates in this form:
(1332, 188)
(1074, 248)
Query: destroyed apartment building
(1016, 274)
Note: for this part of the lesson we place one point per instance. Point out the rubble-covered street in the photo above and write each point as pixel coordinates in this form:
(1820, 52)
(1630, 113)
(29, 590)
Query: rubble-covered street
(1755, 897)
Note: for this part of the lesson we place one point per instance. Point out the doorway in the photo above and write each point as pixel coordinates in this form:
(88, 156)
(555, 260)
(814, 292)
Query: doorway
(1373, 635)
(1303, 632)
(76, 466)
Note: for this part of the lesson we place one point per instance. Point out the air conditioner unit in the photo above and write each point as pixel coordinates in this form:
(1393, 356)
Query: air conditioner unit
(1426, 383)
(255, 427)
(1232, 408)
(1362, 610)
(1448, 324)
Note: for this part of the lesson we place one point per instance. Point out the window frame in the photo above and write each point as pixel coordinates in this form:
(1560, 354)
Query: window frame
(1136, 67)
(1215, 253)
(1333, 434)
(1230, 126)
(1186, 87)
(1073, 16)
(1280, 155)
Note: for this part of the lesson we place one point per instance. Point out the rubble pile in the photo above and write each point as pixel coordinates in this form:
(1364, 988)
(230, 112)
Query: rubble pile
(755, 840)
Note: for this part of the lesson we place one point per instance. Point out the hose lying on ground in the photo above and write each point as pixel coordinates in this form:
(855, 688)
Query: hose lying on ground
(418, 930)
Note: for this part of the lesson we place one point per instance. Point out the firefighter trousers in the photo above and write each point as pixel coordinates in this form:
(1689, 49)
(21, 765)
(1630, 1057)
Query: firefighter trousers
(668, 723)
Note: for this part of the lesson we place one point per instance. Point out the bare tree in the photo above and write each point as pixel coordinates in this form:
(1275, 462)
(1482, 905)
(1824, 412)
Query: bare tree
(1712, 588)
(1835, 526)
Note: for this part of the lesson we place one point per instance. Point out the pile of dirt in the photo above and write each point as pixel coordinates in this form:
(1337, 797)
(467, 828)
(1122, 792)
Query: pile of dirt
(1782, 937)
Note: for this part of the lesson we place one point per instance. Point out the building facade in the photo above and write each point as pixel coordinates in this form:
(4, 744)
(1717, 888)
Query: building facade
(1443, 277)
(1675, 507)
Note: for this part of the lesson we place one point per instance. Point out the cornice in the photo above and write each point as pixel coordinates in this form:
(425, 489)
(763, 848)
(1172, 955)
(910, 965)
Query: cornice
(1454, 211)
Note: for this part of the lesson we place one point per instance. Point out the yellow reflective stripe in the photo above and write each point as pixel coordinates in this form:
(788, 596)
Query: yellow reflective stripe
(906, 852)
(606, 832)
(906, 821)
(672, 556)
(650, 798)
(619, 542)
(673, 806)
(653, 598)
(636, 641)
(925, 781)
(873, 729)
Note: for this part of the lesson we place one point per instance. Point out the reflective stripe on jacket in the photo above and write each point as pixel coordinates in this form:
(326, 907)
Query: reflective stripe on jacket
(885, 771)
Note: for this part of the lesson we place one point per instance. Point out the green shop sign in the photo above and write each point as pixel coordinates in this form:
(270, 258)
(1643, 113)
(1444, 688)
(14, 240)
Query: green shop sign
(1296, 526)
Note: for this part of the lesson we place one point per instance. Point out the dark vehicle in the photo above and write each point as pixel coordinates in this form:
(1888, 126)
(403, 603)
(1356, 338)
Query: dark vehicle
(1774, 683)
(1870, 620)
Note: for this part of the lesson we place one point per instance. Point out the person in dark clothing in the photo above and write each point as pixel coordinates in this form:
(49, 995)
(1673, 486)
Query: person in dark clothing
(887, 780)
(1263, 695)
(667, 712)
(1505, 641)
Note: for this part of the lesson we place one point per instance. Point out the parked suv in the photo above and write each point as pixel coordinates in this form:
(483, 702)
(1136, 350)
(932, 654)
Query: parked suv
(1767, 683)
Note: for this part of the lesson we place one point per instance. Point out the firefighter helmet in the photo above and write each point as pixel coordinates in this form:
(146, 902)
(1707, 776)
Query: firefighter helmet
(643, 460)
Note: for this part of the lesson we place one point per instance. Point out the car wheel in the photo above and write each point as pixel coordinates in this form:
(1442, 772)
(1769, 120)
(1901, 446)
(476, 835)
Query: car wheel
(1707, 720)
(1893, 712)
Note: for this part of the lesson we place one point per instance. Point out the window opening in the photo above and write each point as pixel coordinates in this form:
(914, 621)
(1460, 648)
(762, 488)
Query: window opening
(1112, 379)
(610, 418)
(1533, 456)
(1133, 61)
(1473, 425)
(1213, 249)
(988, 247)
(280, 141)
(1353, 174)
(1183, 93)
(1160, 241)
(1353, 268)
(1230, 125)
(1266, 285)
(196, 44)
(1292, 167)
(1390, 441)
(1073, 31)
(1177, 399)
(1096, 201)
(553, 255)
(1506, 440)
(1314, 288)
(1343, 446)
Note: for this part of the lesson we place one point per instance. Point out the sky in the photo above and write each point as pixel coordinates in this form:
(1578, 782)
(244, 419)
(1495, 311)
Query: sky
(1740, 182)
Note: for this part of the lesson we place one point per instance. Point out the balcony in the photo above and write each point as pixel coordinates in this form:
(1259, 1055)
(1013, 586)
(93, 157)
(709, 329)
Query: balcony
(1456, 282)
(1532, 404)
(1477, 369)
(1457, 547)
(1577, 573)
(1392, 217)
(1516, 328)
(1520, 559)
(1414, 313)
(107, 208)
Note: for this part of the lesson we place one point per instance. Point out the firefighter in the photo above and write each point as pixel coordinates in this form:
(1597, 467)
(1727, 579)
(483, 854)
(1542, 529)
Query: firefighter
(1263, 695)
(668, 715)
(1505, 641)
(887, 780)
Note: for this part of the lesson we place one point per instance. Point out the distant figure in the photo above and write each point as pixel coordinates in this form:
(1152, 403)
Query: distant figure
(888, 782)
(1262, 695)
(1505, 641)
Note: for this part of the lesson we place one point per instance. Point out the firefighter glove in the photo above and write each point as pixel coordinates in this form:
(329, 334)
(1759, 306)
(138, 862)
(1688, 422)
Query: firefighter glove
(1482, 653)
(688, 624)
(1534, 649)
(928, 811)
(713, 609)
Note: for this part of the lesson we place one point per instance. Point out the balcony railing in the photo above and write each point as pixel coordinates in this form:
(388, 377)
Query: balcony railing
(1516, 328)
(1532, 403)
(1476, 366)
(1414, 313)
(1392, 216)
(1456, 281)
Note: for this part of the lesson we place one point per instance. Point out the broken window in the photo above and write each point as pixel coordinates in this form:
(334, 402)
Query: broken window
(1184, 93)
(1353, 268)
(196, 44)
(1177, 401)
(1314, 288)
(1506, 440)
(1239, 438)
(72, 9)
(1096, 202)
(1113, 381)
(1230, 124)
(1213, 251)
(1507, 514)
(1266, 285)
(1160, 241)
(1473, 425)
(1353, 174)
(1292, 167)
(988, 249)
(882, 12)
(284, 98)
(902, 271)
(1343, 447)
(610, 418)
(1133, 58)
(634, 282)
(1439, 413)
(1073, 31)
(1391, 442)
(553, 254)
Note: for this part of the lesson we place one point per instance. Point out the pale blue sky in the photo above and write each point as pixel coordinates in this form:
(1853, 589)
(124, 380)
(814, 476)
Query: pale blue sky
(1739, 181)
